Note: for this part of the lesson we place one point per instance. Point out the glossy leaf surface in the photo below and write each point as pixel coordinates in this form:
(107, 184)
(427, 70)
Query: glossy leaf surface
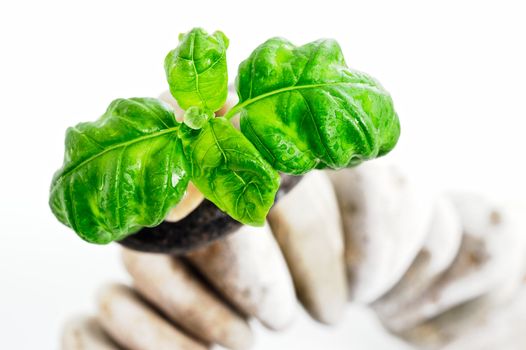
(196, 70)
(303, 108)
(121, 172)
(229, 170)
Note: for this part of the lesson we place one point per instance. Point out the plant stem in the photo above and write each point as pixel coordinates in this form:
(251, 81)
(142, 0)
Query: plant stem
(233, 111)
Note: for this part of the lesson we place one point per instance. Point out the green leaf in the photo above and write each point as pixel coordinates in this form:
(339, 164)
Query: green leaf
(229, 170)
(303, 108)
(121, 172)
(197, 71)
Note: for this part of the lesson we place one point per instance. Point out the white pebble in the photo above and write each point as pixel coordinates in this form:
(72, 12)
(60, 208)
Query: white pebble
(386, 220)
(85, 333)
(307, 225)
(170, 285)
(249, 270)
(135, 325)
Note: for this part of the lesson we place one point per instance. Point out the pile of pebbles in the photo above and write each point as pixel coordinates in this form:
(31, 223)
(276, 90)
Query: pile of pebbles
(441, 272)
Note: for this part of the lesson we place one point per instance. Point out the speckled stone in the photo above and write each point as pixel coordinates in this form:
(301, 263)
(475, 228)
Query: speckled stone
(249, 270)
(170, 285)
(500, 328)
(487, 271)
(85, 333)
(307, 225)
(135, 325)
(386, 220)
(440, 249)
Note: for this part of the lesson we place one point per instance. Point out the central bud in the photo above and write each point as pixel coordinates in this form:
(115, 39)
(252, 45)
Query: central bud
(196, 117)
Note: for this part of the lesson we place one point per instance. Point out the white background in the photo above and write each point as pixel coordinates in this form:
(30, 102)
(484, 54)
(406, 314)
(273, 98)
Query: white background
(456, 71)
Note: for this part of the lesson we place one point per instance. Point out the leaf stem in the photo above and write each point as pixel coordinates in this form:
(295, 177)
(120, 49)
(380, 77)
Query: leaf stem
(233, 111)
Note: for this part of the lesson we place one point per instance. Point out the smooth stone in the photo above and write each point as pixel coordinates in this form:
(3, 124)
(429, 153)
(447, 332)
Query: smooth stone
(307, 225)
(490, 264)
(135, 325)
(249, 270)
(85, 333)
(170, 285)
(435, 333)
(503, 328)
(483, 323)
(386, 220)
(440, 249)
